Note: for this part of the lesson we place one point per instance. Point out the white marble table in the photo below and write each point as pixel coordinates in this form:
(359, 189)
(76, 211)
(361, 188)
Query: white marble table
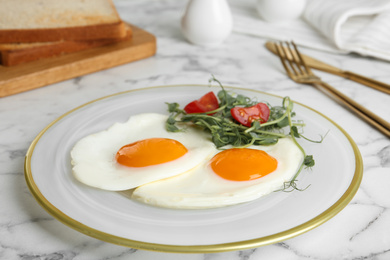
(360, 231)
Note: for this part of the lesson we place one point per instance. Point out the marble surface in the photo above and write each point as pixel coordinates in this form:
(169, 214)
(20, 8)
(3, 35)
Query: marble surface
(360, 231)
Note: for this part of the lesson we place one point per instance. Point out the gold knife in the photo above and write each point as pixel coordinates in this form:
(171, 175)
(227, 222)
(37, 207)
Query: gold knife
(319, 65)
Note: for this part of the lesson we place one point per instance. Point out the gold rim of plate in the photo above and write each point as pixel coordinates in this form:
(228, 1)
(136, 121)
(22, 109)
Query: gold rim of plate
(214, 248)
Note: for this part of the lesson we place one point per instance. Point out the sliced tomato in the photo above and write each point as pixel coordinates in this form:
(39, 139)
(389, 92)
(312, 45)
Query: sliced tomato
(206, 103)
(246, 115)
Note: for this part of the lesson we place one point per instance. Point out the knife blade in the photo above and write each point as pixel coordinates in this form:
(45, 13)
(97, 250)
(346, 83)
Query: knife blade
(319, 65)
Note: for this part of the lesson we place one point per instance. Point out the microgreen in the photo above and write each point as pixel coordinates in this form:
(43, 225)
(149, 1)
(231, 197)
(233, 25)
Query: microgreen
(225, 131)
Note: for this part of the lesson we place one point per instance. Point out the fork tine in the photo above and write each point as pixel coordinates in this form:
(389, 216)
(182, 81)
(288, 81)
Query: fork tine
(294, 60)
(279, 50)
(284, 54)
(301, 60)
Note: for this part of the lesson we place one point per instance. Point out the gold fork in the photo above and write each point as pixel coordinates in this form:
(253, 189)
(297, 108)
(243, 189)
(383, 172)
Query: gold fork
(298, 71)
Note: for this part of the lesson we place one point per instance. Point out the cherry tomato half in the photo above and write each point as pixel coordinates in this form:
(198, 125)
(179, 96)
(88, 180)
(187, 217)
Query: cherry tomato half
(206, 103)
(246, 115)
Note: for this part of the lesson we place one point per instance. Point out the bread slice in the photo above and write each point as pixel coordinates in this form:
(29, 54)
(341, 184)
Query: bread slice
(54, 20)
(12, 54)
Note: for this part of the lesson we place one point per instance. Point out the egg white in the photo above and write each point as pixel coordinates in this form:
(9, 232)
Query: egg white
(202, 188)
(93, 157)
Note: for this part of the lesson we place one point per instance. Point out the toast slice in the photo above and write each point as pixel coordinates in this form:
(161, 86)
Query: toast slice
(12, 54)
(52, 20)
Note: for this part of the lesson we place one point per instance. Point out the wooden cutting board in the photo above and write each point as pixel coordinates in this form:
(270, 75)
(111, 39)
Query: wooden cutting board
(47, 71)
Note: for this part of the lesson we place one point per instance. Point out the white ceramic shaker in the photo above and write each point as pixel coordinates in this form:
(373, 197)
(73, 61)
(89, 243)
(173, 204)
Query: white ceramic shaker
(207, 22)
(280, 10)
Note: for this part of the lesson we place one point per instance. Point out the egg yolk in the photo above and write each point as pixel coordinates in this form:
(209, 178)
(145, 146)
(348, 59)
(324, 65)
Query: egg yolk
(243, 164)
(150, 152)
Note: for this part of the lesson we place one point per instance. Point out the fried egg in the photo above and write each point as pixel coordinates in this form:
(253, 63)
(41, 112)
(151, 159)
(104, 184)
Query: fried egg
(137, 152)
(230, 177)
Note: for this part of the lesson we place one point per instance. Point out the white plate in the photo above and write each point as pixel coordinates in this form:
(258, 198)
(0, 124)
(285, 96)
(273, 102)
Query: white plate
(112, 217)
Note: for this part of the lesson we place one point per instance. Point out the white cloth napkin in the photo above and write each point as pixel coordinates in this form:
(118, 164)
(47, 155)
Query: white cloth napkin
(359, 26)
